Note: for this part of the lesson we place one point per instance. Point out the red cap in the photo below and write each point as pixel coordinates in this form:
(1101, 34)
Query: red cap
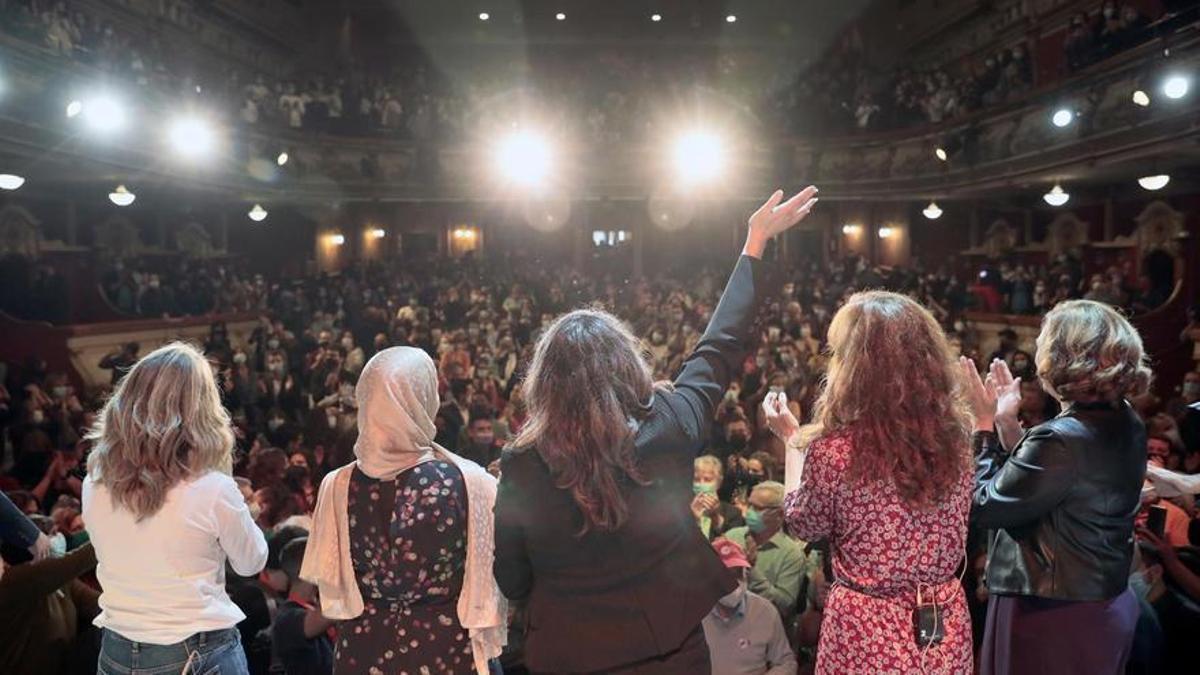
(731, 554)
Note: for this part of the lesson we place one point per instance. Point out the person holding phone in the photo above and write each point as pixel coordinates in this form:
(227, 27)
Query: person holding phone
(1061, 498)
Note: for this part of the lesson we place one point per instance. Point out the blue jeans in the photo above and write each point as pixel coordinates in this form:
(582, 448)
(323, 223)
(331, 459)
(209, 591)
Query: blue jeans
(217, 652)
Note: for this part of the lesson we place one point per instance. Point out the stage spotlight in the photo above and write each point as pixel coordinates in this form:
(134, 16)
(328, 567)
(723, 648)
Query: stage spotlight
(102, 114)
(258, 213)
(282, 158)
(731, 18)
(484, 16)
(1141, 98)
(74, 108)
(699, 156)
(192, 137)
(933, 211)
(656, 17)
(121, 196)
(1056, 196)
(940, 153)
(1153, 183)
(851, 229)
(1062, 117)
(1176, 86)
(337, 239)
(524, 157)
(378, 233)
(560, 16)
(11, 181)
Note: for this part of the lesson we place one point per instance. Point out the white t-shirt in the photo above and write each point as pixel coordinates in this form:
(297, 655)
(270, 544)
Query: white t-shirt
(164, 577)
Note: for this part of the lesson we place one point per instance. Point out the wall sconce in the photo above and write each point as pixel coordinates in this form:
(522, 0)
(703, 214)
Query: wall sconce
(337, 239)
(885, 232)
(850, 229)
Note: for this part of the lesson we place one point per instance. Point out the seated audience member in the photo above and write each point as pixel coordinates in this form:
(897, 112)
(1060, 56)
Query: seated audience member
(300, 634)
(744, 632)
(778, 561)
(121, 361)
(481, 445)
(44, 608)
(713, 515)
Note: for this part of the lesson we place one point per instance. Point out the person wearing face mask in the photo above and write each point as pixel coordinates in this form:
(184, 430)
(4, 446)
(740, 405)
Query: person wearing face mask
(480, 445)
(744, 633)
(1021, 363)
(43, 606)
(713, 515)
(355, 358)
(778, 561)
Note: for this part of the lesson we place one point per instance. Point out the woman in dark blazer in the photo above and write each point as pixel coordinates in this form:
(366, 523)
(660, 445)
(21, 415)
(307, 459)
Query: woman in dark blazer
(593, 526)
(1060, 498)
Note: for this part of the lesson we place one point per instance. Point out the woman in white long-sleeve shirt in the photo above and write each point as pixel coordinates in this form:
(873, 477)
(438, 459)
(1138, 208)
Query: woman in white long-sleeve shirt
(164, 515)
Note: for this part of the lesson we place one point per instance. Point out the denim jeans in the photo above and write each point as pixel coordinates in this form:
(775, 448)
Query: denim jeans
(217, 652)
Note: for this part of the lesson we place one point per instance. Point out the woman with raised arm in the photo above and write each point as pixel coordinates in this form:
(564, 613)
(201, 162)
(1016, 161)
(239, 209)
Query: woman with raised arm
(593, 528)
(164, 515)
(1061, 498)
(884, 475)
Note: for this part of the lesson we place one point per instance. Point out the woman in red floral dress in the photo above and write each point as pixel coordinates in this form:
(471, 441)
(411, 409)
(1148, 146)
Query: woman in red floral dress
(885, 477)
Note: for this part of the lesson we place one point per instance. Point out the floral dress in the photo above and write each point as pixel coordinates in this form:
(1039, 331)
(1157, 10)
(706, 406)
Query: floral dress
(881, 551)
(408, 545)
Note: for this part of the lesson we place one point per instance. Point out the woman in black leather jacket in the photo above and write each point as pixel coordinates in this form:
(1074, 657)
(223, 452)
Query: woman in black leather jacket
(1060, 498)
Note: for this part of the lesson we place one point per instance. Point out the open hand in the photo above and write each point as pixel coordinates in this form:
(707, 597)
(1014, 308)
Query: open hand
(776, 216)
(981, 395)
(780, 419)
(1008, 390)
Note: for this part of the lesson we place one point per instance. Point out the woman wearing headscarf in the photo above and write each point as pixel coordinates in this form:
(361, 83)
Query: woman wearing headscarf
(402, 541)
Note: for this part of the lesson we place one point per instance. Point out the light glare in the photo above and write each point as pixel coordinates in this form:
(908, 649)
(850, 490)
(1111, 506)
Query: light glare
(699, 156)
(560, 16)
(524, 157)
(1176, 87)
(484, 16)
(192, 137)
(1062, 117)
(731, 19)
(656, 17)
(281, 159)
(74, 108)
(102, 114)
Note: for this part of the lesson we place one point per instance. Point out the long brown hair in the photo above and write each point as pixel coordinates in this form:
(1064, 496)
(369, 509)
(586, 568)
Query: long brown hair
(893, 387)
(587, 386)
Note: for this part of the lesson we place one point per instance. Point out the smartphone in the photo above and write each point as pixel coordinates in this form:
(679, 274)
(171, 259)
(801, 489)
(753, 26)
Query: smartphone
(1156, 522)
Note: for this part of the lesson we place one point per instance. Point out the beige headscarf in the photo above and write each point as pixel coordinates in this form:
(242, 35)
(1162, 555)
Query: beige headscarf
(397, 397)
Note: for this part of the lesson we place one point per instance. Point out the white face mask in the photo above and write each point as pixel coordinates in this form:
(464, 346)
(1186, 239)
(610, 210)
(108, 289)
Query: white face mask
(58, 545)
(734, 598)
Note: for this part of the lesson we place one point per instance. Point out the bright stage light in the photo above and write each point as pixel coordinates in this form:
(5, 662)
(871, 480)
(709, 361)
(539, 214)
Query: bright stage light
(699, 156)
(192, 137)
(258, 213)
(74, 108)
(524, 157)
(1141, 98)
(656, 17)
(1153, 183)
(102, 114)
(11, 181)
(1176, 86)
(933, 211)
(940, 153)
(282, 158)
(1056, 196)
(121, 196)
(1062, 117)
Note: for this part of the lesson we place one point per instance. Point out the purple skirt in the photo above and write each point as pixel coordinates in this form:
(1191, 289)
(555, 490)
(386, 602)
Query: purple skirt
(1039, 635)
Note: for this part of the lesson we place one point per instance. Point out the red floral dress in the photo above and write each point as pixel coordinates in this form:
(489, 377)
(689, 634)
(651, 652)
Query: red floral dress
(884, 548)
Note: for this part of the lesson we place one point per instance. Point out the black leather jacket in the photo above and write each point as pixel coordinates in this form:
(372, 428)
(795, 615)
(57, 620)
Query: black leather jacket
(1062, 503)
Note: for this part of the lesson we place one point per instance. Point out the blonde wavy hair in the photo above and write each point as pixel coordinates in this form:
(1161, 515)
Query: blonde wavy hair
(893, 387)
(1088, 351)
(163, 423)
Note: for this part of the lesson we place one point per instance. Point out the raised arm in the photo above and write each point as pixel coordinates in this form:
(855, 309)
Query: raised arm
(706, 373)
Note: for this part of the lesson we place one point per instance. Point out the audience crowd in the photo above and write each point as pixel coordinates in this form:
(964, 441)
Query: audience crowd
(289, 386)
(411, 99)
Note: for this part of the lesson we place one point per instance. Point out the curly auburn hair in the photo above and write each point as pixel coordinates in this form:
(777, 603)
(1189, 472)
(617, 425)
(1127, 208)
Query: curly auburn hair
(893, 388)
(1088, 351)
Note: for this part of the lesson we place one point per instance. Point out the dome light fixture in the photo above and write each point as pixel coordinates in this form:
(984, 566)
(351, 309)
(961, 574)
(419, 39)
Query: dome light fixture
(1062, 117)
(851, 229)
(731, 18)
(1141, 98)
(74, 108)
(378, 233)
(1056, 196)
(656, 17)
(258, 213)
(933, 211)
(886, 232)
(941, 153)
(282, 158)
(337, 239)
(560, 16)
(11, 181)
(1176, 86)
(1153, 183)
(121, 196)
(484, 16)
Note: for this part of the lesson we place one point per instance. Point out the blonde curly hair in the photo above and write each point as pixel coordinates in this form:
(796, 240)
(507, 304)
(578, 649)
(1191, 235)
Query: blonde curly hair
(1087, 351)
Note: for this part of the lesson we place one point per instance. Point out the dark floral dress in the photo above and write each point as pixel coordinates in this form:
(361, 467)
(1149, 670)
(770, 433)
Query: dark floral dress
(408, 543)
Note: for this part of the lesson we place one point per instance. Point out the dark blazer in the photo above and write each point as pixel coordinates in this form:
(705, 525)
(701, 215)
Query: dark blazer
(1062, 503)
(606, 599)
